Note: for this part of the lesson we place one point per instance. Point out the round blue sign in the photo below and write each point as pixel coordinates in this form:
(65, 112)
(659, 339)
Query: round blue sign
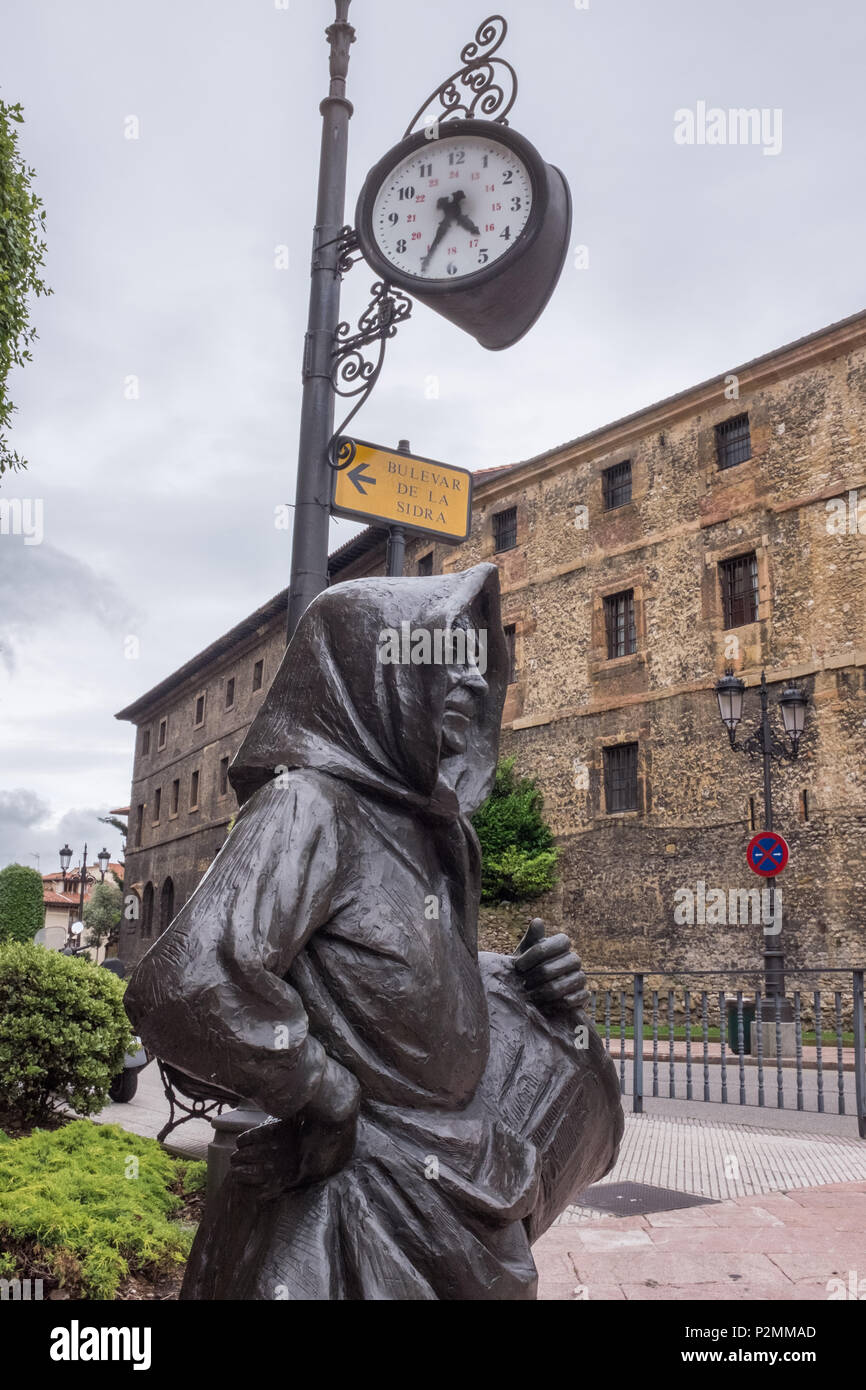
(767, 853)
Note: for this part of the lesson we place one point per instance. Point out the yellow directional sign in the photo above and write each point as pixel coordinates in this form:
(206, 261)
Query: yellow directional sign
(405, 490)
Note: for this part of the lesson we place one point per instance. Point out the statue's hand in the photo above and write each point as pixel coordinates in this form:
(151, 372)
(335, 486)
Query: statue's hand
(551, 971)
(282, 1154)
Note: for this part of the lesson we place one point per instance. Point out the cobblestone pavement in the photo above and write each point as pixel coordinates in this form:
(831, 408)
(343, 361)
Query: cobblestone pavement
(719, 1160)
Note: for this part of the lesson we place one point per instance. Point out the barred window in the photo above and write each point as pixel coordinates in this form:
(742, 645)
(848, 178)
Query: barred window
(505, 529)
(224, 776)
(739, 581)
(157, 804)
(619, 624)
(258, 675)
(199, 711)
(616, 483)
(620, 777)
(163, 733)
(145, 743)
(175, 796)
(425, 565)
(733, 441)
(511, 645)
(230, 692)
(193, 792)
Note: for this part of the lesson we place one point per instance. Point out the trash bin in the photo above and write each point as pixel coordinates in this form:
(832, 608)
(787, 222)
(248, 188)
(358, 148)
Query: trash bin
(733, 1025)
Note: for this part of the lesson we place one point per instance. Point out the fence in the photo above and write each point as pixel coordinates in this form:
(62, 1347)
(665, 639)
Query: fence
(808, 1045)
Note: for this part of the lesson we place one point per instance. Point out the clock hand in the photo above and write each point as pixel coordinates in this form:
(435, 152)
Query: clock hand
(460, 217)
(446, 205)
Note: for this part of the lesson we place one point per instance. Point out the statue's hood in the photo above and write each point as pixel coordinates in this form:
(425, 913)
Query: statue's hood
(334, 706)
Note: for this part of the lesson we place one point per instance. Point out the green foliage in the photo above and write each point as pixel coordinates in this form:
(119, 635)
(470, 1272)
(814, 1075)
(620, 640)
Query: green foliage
(22, 255)
(63, 1032)
(91, 1204)
(22, 908)
(518, 855)
(102, 913)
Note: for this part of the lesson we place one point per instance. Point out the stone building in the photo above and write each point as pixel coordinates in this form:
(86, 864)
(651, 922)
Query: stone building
(719, 527)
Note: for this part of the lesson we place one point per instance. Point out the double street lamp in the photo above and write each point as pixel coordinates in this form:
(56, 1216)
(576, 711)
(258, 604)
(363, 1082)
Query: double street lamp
(765, 743)
(104, 859)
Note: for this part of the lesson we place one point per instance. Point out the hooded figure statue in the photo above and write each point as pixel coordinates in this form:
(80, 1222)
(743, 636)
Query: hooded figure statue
(433, 1110)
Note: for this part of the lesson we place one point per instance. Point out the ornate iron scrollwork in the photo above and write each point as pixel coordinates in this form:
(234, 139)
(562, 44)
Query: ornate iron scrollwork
(354, 374)
(489, 84)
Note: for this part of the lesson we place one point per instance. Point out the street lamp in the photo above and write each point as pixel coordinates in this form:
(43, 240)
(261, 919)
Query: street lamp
(65, 860)
(766, 745)
(104, 860)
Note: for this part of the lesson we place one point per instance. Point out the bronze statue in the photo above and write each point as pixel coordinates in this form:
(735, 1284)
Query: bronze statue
(433, 1109)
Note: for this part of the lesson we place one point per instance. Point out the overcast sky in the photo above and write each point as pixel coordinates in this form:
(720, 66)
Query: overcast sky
(158, 511)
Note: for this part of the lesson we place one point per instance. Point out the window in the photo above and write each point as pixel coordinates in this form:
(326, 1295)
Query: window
(739, 580)
(193, 792)
(139, 822)
(425, 565)
(510, 642)
(752, 825)
(147, 910)
(616, 485)
(804, 804)
(157, 804)
(258, 675)
(163, 733)
(145, 743)
(166, 904)
(620, 777)
(505, 529)
(199, 711)
(224, 776)
(619, 624)
(733, 441)
(230, 692)
(175, 796)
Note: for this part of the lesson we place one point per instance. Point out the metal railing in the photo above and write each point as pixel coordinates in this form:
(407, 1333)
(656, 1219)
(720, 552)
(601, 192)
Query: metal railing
(807, 1048)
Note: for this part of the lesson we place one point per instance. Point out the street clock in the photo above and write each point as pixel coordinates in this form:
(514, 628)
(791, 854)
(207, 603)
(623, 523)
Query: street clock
(473, 223)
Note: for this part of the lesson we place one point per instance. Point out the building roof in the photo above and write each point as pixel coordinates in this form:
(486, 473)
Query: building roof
(373, 536)
(52, 899)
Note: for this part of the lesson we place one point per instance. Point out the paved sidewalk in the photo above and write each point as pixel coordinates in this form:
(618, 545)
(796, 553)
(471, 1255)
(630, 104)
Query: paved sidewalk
(776, 1247)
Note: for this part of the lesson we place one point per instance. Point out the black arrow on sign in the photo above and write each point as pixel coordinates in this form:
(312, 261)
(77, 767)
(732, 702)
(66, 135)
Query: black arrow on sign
(358, 477)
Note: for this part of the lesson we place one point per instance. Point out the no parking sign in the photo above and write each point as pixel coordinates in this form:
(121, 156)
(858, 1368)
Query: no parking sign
(767, 853)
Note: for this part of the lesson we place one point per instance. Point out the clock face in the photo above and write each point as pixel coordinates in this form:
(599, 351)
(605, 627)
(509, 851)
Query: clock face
(452, 207)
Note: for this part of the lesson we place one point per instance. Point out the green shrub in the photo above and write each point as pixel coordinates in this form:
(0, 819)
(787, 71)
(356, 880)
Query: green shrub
(22, 909)
(518, 857)
(63, 1032)
(92, 1204)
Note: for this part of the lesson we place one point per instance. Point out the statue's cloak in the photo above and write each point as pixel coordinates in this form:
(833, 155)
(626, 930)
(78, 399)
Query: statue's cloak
(339, 924)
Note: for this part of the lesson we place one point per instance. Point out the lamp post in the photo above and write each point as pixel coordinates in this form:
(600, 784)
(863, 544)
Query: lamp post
(766, 744)
(104, 859)
(313, 488)
(65, 860)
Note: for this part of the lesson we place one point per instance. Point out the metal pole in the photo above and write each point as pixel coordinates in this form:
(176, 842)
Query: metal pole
(313, 490)
(774, 957)
(396, 534)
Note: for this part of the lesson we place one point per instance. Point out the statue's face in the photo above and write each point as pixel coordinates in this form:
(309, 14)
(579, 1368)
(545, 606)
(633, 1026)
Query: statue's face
(467, 689)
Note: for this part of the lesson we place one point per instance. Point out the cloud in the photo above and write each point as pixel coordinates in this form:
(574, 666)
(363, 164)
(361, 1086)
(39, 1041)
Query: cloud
(20, 808)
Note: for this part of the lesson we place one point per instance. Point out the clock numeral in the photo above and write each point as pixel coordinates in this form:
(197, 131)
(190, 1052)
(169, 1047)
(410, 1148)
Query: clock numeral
(416, 236)
(410, 217)
(407, 193)
(452, 269)
(506, 235)
(516, 204)
(490, 188)
(457, 157)
(452, 251)
(426, 170)
(455, 174)
(422, 198)
(474, 176)
(485, 161)
(401, 246)
(508, 176)
(434, 183)
(490, 226)
(483, 256)
(393, 218)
